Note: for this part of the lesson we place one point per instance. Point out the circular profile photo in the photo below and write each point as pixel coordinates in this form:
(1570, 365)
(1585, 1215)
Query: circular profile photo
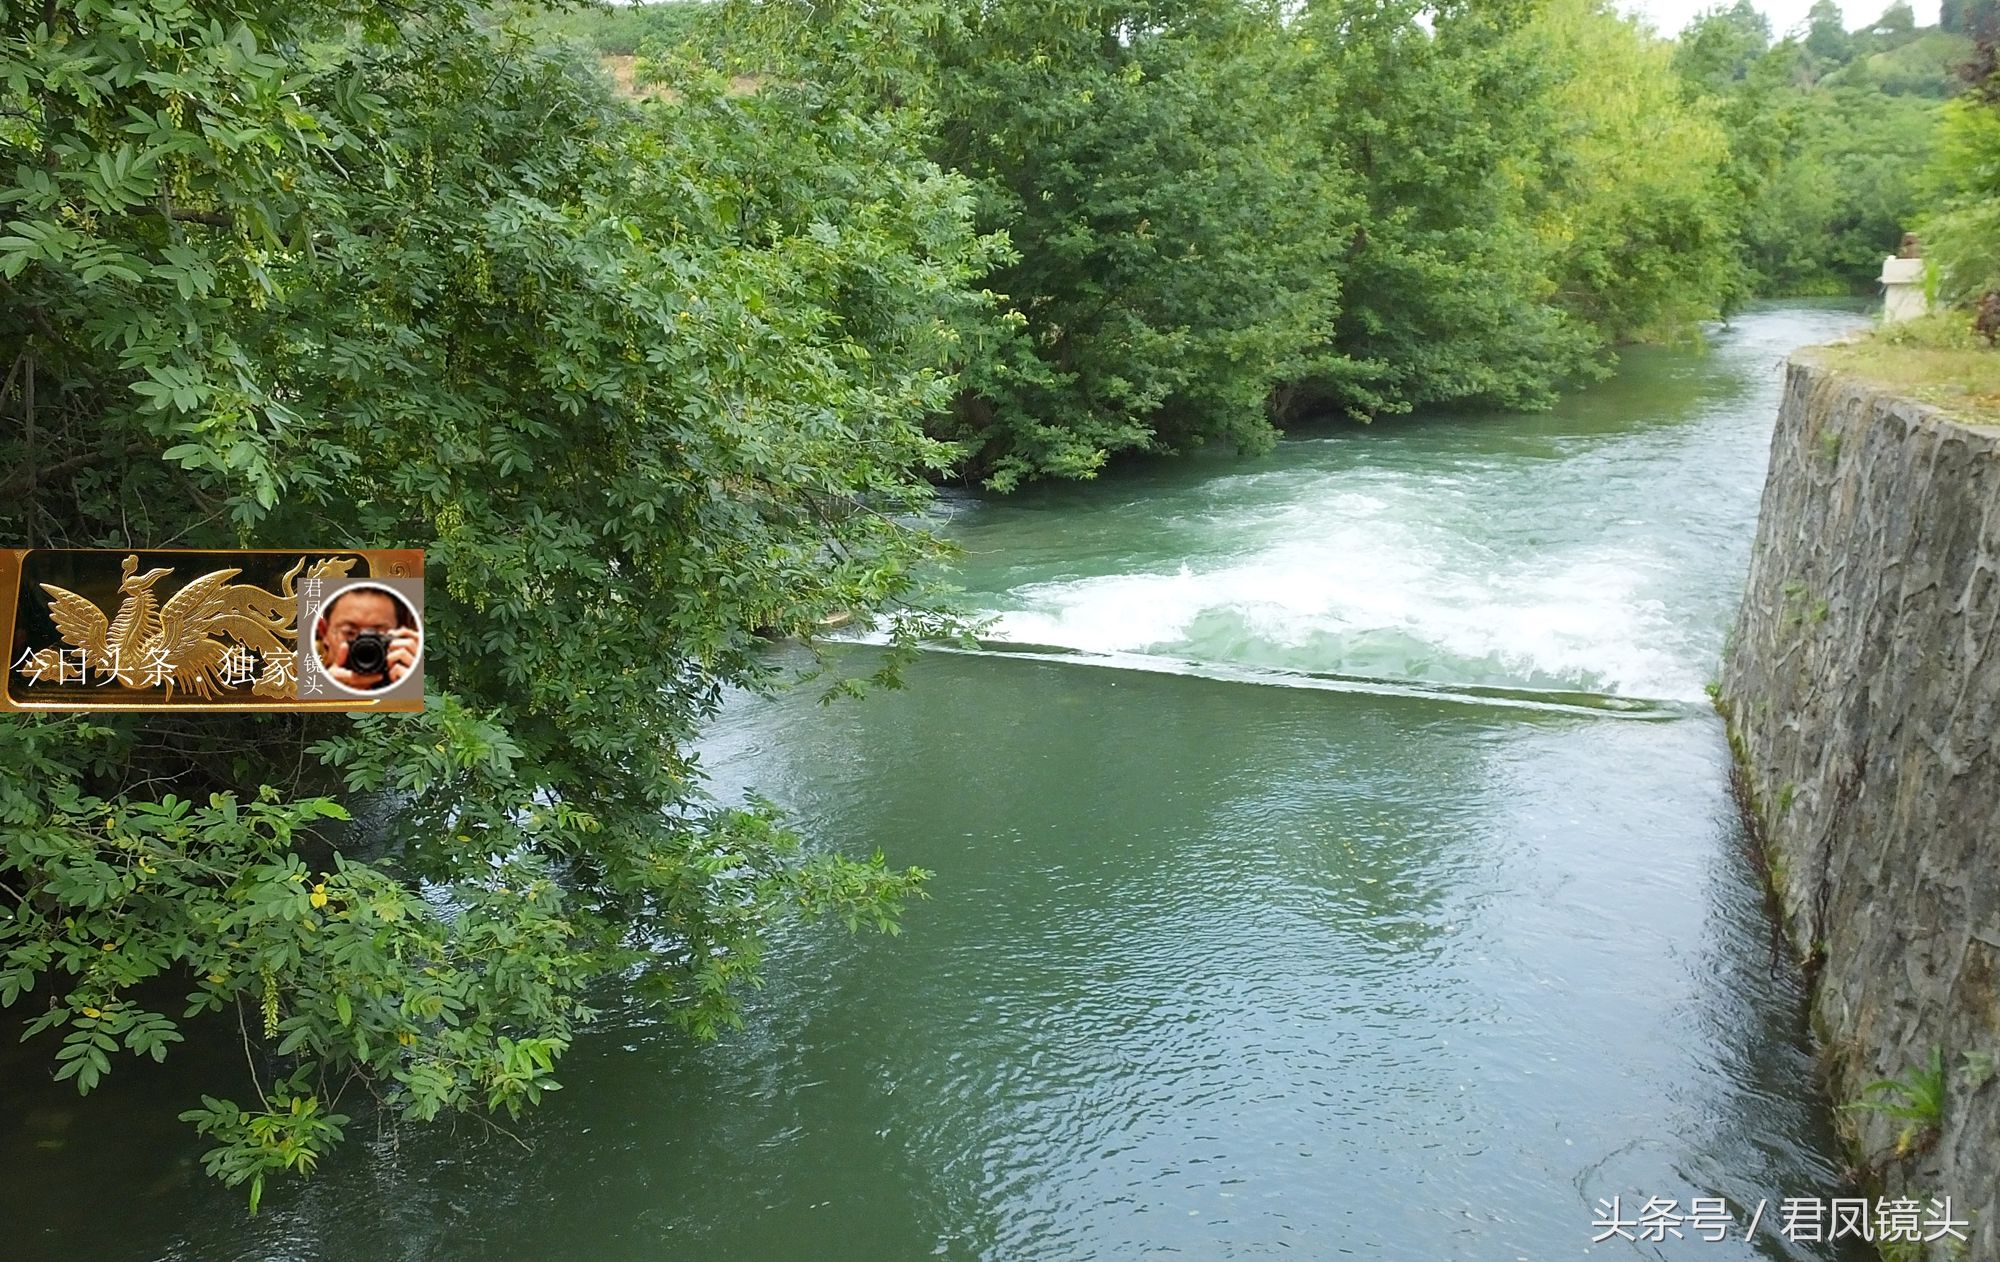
(366, 638)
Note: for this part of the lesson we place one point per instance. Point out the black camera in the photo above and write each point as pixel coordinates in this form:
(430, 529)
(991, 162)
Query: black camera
(368, 653)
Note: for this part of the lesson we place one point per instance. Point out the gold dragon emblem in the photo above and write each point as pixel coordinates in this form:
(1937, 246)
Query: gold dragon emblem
(210, 635)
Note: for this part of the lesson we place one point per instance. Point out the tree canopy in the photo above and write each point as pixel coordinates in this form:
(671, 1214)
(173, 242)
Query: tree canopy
(1828, 132)
(644, 379)
(1226, 215)
(1961, 186)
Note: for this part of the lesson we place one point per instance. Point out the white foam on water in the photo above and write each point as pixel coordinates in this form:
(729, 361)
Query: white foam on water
(1377, 582)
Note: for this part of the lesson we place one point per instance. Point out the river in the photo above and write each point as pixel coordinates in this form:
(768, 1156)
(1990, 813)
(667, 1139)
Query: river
(1333, 856)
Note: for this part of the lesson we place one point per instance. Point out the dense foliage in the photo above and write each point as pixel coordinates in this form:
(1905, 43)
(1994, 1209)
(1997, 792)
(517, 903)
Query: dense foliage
(1534, 187)
(1445, 299)
(619, 30)
(644, 380)
(1638, 205)
(1962, 188)
(1828, 132)
(1225, 213)
(1174, 254)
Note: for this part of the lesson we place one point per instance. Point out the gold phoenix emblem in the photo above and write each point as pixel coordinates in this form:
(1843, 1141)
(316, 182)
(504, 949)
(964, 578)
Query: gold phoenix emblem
(210, 635)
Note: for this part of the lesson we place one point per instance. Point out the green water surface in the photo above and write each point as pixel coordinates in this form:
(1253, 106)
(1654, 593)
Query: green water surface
(1334, 859)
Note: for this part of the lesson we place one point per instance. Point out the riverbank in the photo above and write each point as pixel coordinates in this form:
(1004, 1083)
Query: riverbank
(1862, 694)
(1937, 360)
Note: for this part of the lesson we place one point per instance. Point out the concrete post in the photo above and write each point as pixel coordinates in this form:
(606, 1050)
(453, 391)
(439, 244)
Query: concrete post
(1902, 289)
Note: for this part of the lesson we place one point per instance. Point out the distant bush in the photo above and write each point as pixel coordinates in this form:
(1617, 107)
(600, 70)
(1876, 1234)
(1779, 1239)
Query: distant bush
(619, 30)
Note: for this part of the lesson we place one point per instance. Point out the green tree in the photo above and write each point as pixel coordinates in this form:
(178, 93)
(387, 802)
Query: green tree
(1826, 34)
(1825, 143)
(1446, 293)
(645, 380)
(1636, 205)
(1173, 236)
(620, 30)
(1961, 188)
(1536, 189)
(1718, 48)
(1897, 23)
(1975, 18)
(1220, 211)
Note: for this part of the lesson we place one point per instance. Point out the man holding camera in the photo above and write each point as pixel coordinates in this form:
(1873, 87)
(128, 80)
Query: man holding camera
(364, 639)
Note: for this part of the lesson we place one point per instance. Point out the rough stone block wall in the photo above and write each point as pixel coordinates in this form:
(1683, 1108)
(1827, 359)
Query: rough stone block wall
(1862, 688)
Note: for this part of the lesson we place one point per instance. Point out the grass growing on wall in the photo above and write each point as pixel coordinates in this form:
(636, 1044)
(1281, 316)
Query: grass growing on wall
(1936, 358)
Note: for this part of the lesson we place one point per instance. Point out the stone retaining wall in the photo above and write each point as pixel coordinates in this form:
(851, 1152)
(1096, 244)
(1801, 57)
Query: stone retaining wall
(1862, 689)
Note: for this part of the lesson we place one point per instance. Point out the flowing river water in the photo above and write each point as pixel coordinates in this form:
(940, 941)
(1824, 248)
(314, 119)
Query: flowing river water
(1334, 857)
